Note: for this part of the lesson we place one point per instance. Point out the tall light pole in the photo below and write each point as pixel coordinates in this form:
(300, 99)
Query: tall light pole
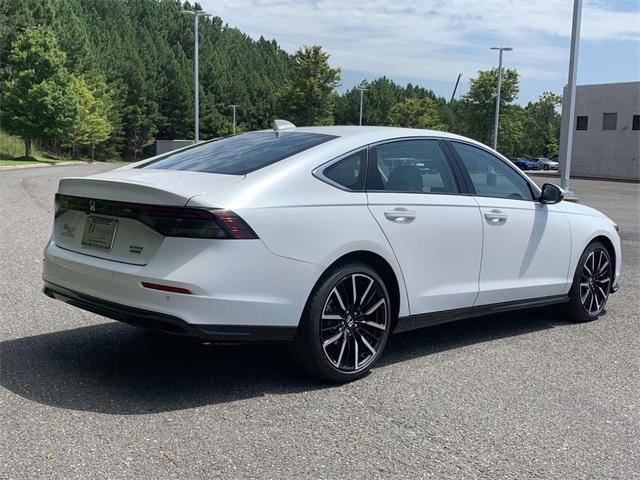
(196, 15)
(362, 90)
(495, 126)
(569, 102)
(234, 117)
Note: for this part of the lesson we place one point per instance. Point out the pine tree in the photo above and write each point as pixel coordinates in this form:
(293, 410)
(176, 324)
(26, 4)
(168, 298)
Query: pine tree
(37, 98)
(309, 97)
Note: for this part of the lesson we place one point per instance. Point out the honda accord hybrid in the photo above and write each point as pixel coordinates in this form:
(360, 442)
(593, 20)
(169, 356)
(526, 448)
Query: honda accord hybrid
(328, 238)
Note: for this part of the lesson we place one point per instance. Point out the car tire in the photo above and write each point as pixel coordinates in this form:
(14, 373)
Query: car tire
(546, 167)
(591, 284)
(333, 343)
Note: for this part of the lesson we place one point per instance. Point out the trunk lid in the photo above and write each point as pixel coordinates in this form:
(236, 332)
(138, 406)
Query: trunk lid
(146, 185)
(91, 214)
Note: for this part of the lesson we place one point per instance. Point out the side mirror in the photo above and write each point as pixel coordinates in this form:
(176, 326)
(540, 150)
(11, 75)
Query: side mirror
(551, 194)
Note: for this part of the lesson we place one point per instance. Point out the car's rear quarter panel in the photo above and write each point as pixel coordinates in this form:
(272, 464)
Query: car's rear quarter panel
(301, 217)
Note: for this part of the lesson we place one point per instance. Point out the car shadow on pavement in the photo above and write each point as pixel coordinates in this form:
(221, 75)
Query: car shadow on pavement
(116, 369)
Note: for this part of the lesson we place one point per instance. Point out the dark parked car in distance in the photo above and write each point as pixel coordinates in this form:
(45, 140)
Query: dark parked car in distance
(525, 164)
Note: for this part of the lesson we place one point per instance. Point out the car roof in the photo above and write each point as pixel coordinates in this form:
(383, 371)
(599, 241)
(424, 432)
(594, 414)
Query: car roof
(377, 133)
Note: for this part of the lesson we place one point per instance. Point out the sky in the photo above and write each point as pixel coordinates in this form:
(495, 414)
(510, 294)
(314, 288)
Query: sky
(429, 42)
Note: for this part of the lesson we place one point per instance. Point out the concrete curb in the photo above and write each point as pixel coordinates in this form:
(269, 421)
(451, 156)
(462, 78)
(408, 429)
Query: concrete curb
(40, 165)
(554, 174)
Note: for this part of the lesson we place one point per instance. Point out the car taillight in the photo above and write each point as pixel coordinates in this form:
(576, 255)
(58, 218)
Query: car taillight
(184, 222)
(235, 226)
(196, 223)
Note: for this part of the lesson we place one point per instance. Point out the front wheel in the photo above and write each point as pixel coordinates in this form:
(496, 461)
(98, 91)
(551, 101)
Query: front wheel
(591, 284)
(345, 324)
(546, 167)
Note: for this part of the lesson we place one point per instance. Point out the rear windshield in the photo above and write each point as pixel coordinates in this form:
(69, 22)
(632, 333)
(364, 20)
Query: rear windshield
(239, 154)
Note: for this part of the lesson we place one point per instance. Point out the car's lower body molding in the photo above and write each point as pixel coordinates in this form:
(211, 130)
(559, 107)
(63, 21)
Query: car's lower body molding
(169, 323)
(414, 322)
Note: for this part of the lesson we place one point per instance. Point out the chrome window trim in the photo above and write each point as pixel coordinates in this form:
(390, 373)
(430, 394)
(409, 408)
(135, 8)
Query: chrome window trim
(318, 172)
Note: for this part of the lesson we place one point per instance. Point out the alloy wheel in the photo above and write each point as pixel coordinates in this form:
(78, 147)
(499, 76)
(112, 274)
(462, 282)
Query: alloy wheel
(354, 323)
(595, 281)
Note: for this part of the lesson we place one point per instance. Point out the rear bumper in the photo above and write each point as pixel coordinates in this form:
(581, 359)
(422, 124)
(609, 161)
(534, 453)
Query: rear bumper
(169, 323)
(231, 283)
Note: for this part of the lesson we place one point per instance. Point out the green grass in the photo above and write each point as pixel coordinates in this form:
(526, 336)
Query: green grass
(12, 147)
(12, 152)
(12, 163)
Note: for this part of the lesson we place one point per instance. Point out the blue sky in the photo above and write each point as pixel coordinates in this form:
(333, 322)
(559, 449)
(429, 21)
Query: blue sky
(428, 42)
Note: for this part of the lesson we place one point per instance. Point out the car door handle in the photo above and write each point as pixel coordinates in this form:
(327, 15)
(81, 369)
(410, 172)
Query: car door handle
(400, 215)
(496, 217)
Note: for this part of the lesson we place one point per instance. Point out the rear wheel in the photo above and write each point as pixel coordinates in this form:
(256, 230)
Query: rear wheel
(591, 284)
(546, 167)
(345, 324)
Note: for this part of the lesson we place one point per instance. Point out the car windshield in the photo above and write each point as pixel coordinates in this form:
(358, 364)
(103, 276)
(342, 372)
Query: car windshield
(240, 154)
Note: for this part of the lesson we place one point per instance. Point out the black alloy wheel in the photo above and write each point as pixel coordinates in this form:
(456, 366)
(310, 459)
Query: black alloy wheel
(591, 284)
(354, 321)
(595, 281)
(345, 325)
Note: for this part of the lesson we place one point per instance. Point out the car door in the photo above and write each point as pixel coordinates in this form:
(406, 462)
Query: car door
(435, 233)
(527, 244)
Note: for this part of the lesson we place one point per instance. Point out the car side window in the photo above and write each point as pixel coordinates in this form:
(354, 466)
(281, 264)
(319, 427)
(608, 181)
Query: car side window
(412, 166)
(348, 172)
(490, 176)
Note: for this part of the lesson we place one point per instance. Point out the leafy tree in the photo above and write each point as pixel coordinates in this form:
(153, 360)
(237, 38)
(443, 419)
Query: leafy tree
(415, 112)
(477, 106)
(309, 98)
(378, 100)
(37, 98)
(541, 121)
(92, 125)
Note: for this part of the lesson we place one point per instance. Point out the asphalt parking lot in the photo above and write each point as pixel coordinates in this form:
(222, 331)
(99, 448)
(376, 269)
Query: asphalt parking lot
(519, 395)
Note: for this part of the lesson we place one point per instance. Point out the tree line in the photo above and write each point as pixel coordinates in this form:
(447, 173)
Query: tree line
(106, 78)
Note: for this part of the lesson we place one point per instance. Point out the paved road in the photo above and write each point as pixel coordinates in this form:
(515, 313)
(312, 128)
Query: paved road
(520, 395)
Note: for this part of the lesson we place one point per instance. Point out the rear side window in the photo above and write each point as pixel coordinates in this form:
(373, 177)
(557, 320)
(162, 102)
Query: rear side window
(240, 154)
(412, 166)
(348, 172)
(490, 176)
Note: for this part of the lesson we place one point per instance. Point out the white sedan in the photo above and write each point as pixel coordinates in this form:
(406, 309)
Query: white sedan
(330, 238)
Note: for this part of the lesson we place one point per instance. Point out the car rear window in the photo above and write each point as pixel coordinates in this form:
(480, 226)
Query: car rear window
(239, 154)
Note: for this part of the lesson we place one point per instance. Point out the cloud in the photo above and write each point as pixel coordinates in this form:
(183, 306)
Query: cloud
(431, 39)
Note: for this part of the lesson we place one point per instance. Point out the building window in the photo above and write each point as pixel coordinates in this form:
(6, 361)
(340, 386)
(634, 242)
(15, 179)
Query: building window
(582, 123)
(609, 121)
(635, 124)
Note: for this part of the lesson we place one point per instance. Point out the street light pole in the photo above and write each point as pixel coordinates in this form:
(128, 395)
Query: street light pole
(234, 117)
(570, 101)
(362, 90)
(497, 117)
(196, 15)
